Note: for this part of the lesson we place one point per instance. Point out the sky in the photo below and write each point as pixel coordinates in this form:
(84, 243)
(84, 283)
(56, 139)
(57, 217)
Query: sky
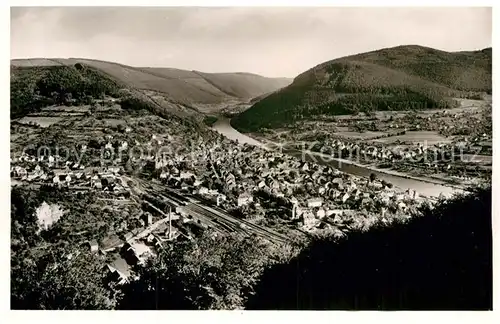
(274, 42)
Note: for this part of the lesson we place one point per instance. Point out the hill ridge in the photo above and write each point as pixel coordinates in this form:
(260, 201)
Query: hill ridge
(409, 77)
(187, 87)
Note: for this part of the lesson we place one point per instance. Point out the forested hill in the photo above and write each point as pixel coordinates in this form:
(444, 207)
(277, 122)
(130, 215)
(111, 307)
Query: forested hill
(189, 88)
(398, 78)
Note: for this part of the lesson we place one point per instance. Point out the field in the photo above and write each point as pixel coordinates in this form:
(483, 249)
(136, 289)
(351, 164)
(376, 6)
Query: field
(76, 109)
(428, 137)
(114, 122)
(476, 158)
(41, 121)
(345, 133)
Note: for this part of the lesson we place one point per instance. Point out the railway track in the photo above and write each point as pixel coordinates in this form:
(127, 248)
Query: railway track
(218, 224)
(236, 223)
(211, 216)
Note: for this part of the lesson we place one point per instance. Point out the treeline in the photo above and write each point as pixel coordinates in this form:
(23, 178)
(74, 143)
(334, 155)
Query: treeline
(275, 110)
(400, 100)
(392, 79)
(33, 88)
(295, 103)
(439, 260)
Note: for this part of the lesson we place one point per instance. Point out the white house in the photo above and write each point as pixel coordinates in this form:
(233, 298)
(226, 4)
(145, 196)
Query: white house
(220, 198)
(98, 184)
(213, 192)
(314, 202)
(94, 246)
(244, 199)
(186, 175)
(309, 219)
(320, 213)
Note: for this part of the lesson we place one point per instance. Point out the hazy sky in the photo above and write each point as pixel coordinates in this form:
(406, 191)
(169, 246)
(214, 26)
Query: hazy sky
(267, 41)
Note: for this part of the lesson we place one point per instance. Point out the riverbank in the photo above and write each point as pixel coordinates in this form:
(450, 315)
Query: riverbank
(371, 168)
(424, 186)
(390, 172)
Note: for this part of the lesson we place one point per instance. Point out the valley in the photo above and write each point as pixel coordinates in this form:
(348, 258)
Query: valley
(122, 175)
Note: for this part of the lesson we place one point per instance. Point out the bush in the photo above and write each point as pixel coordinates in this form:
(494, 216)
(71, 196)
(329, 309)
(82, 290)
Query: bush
(209, 120)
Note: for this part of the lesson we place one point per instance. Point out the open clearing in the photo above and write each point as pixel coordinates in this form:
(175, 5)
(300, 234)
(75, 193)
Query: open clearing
(429, 137)
(114, 122)
(42, 121)
(80, 109)
(345, 133)
(487, 159)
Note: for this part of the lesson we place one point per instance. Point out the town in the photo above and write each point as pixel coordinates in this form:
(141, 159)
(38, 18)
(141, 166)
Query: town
(454, 146)
(173, 188)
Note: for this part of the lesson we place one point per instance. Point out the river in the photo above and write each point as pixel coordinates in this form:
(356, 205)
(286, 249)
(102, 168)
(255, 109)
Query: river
(404, 182)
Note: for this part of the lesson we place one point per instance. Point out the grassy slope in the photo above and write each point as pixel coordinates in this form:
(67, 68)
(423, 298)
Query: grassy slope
(397, 78)
(244, 85)
(179, 86)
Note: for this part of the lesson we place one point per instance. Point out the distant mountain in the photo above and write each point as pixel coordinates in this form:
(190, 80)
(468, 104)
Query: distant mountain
(189, 88)
(398, 78)
(244, 85)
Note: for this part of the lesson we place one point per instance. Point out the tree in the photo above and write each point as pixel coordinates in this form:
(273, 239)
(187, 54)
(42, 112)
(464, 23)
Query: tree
(47, 272)
(68, 98)
(373, 177)
(79, 66)
(58, 280)
(55, 96)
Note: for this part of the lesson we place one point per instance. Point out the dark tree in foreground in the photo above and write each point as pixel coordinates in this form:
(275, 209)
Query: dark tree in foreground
(440, 261)
(211, 273)
(48, 272)
(58, 280)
